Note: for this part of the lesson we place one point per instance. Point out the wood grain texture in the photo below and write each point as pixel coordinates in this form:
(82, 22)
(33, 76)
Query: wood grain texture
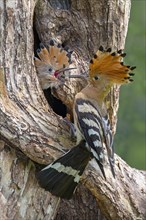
(35, 132)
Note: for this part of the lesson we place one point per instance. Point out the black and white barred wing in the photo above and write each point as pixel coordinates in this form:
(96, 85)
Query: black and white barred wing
(108, 137)
(93, 128)
(107, 128)
(89, 123)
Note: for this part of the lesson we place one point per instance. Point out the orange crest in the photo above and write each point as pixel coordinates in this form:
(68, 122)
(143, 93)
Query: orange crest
(51, 63)
(110, 64)
(57, 57)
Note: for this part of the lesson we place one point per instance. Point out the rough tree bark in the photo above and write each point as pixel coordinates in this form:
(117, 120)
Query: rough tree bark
(33, 134)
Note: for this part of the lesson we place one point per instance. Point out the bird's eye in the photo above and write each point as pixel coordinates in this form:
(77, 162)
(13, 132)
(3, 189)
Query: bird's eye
(96, 77)
(50, 69)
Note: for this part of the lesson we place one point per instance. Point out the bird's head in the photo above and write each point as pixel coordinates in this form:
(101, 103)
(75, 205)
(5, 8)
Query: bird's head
(107, 69)
(51, 64)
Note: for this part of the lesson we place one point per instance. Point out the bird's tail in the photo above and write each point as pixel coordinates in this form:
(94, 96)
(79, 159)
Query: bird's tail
(62, 176)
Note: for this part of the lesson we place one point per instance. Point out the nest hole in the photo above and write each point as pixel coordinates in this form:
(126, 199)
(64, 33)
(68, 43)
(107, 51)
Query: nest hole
(58, 107)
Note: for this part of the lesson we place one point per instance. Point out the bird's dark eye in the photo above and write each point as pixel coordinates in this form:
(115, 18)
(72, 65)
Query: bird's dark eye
(96, 77)
(50, 69)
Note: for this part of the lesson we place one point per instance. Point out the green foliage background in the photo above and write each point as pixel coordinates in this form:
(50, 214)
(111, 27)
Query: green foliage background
(130, 136)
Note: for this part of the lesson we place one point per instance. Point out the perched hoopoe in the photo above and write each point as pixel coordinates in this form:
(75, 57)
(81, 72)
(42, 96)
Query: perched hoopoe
(92, 124)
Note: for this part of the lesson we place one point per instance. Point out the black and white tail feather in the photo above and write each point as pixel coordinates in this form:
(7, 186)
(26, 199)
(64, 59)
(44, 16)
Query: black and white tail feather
(63, 175)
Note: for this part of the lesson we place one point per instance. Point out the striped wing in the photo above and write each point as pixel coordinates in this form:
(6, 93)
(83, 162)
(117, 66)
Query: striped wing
(94, 130)
(108, 136)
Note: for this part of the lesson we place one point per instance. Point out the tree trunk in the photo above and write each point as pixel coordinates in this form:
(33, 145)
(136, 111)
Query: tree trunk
(33, 133)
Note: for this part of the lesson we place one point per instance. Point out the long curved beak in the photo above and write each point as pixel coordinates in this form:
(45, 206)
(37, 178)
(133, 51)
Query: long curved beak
(69, 75)
(65, 69)
(61, 78)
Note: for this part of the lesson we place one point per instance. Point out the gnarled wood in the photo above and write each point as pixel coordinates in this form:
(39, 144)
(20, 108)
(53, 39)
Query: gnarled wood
(29, 125)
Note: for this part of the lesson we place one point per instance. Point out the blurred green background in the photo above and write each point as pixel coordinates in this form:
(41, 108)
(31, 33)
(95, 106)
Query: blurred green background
(130, 142)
